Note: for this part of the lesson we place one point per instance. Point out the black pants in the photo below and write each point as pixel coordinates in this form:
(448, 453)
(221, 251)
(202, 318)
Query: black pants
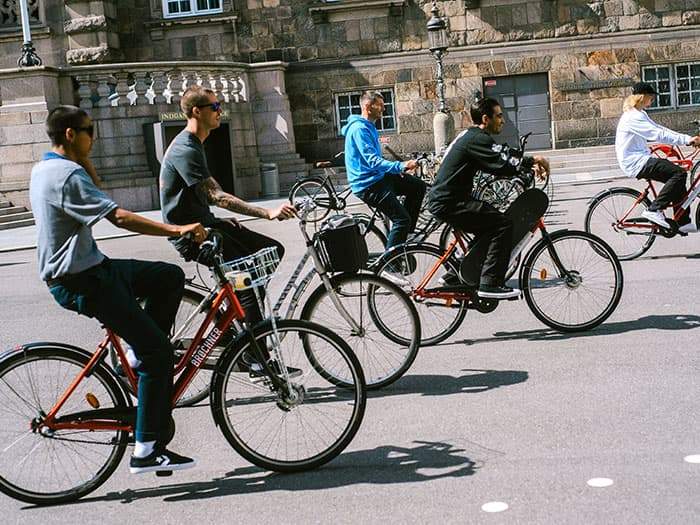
(488, 225)
(109, 292)
(238, 241)
(382, 195)
(674, 179)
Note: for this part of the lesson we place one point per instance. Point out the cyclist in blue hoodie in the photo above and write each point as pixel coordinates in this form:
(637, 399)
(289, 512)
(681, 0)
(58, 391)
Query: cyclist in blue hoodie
(375, 180)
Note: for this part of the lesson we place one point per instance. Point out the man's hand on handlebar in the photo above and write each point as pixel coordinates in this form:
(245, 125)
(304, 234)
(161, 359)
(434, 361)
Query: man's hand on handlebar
(695, 141)
(282, 212)
(195, 232)
(409, 165)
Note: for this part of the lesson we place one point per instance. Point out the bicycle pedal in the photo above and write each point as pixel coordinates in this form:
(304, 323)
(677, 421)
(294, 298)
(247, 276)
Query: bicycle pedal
(164, 473)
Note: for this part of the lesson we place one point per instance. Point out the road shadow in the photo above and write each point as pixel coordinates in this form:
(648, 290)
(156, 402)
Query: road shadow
(474, 382)
(426, 461)
(674, 256)
(659, 322)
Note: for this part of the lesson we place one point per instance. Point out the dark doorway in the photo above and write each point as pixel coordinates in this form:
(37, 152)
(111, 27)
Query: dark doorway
(525, 103)
(217, 148)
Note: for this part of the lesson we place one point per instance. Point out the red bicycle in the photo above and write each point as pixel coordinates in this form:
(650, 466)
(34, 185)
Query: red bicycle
(615, 214)
(66, 417)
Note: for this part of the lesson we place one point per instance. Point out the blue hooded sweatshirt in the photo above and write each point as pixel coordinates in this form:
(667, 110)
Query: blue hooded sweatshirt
(363, 154)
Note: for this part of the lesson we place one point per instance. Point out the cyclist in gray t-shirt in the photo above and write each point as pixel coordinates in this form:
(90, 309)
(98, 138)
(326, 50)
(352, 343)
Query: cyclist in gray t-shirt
(67, 202)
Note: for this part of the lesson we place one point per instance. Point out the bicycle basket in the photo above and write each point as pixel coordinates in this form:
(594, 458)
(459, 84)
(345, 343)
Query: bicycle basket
(341, 245)
(254, 270)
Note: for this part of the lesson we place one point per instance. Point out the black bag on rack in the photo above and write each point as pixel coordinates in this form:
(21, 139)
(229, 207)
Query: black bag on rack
(341, 244)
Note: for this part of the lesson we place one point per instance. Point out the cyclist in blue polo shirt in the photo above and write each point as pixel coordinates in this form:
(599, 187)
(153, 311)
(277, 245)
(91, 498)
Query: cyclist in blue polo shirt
(67, 202)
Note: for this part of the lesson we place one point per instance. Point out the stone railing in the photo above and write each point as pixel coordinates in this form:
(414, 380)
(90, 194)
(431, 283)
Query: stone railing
(131, 84)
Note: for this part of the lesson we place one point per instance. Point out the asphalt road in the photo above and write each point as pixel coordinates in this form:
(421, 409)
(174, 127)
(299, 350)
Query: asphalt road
(506, 411)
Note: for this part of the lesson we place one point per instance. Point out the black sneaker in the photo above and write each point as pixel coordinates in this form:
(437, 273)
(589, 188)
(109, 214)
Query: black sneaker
(257, 373)
(160, 461)
(498, 292)
(449, 278)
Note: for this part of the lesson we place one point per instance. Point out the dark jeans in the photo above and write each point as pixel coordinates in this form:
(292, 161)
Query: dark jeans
(488, 225)
(239, 241)
(382, 195)
(674, 179)
(109, 292)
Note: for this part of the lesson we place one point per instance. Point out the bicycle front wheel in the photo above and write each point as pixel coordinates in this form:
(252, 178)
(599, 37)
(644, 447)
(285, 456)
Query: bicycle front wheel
(306, 423)
(387, 332)
(572, 281)
(43, 466)
(439, 318)
(616, 217)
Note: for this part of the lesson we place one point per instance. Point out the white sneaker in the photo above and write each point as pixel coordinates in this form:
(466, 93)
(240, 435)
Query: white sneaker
(396, 278)
(656, 217)
(688, 228)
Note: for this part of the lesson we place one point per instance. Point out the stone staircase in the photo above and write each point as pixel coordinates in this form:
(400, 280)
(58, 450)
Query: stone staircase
(582, 164)
(14, 216)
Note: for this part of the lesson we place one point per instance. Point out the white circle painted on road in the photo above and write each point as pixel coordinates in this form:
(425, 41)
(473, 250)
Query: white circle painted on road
(600, 482)
(494, 506)
(695, 458)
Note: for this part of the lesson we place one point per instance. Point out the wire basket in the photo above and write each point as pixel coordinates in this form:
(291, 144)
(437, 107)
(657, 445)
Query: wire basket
(252, 271)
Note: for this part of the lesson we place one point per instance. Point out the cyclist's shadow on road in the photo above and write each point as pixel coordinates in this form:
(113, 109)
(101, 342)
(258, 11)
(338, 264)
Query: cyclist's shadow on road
(649, 322)
(474, 382)
(426, 461)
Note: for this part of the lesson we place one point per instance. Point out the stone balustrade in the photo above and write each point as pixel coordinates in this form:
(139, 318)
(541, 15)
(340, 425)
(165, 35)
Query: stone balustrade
(131, 84)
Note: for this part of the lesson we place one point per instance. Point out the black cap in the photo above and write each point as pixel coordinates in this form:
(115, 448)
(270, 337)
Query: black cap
(643, 88)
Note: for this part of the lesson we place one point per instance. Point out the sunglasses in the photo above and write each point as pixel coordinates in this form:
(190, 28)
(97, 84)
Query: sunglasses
(215, 106)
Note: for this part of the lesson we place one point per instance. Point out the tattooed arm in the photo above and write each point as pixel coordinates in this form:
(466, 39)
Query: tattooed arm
(216, 196)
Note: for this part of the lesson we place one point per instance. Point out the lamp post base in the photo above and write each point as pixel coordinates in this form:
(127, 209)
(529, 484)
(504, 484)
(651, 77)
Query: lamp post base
(443, 130)
(29, 57)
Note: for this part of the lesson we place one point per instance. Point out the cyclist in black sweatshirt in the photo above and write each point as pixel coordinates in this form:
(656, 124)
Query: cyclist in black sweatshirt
(451, 200)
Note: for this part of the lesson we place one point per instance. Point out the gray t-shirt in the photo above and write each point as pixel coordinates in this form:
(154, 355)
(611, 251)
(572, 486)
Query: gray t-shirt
(184, 166)
(66, 204)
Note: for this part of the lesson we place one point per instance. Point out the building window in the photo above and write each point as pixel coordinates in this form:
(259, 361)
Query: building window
(173, 8)
(347, 104)
(677, 86)
(688, 82)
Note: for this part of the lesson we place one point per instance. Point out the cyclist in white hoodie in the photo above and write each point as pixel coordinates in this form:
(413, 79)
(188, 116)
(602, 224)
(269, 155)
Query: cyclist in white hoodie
(634, 130)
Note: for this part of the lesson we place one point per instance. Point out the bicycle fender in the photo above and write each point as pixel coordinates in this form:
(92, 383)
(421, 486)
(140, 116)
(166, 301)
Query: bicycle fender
(399, 248)
(607, 191)
(28, 347)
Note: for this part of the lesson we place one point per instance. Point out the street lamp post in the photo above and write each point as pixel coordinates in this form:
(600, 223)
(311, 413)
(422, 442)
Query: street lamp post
(438, 43)
(29, 57)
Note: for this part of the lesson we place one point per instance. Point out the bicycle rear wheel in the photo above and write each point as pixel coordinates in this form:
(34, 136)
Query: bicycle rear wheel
(439, 318)
(573, 281)
(45, 467)
(606, 212)
(303, 427)
(389, 329)
(319, 192)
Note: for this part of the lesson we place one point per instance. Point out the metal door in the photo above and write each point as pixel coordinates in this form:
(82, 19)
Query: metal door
(525, 103)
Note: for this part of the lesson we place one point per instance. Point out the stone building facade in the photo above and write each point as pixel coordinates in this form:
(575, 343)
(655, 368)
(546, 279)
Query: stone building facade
(561, 68)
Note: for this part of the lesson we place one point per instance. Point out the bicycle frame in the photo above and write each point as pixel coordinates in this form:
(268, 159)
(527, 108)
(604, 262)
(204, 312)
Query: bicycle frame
(692, 194)
(222, 300)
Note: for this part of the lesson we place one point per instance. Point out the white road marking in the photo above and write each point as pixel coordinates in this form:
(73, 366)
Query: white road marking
(600, 482)
(695, 458)
(494, 506)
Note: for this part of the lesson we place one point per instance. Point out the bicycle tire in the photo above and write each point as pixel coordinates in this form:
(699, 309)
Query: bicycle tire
(582, 270)
(604, 212)
(354, 396)
(32, 357)
(317, 189)
(366, 345)
(417, 259)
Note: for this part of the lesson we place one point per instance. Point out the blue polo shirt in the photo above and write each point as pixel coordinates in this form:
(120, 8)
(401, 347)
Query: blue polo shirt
(66, 204)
